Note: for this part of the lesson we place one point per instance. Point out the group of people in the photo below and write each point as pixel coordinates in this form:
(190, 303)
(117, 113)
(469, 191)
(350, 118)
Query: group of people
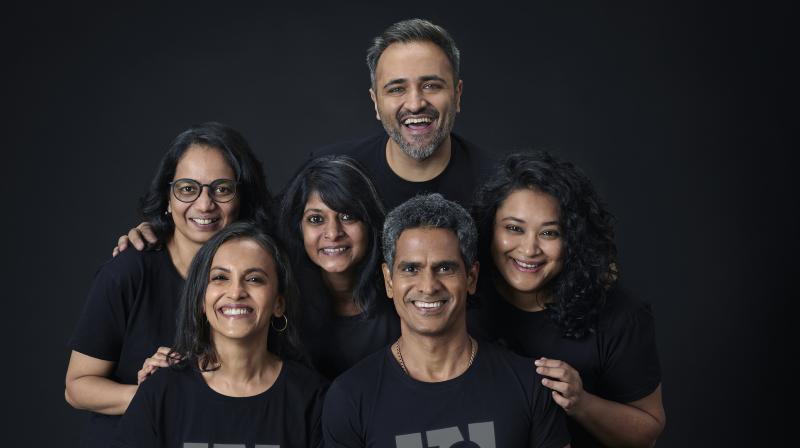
(401, 291)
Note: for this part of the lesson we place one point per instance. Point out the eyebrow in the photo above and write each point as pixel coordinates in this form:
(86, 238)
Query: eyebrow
(515, 219)
(421, 78)
(247, 271)
(318, 210)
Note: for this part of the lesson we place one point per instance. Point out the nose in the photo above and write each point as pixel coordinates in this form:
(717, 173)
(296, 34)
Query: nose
(236, 289)
(531, 245)
(333, 229)
(416, 100)
(204, 201)
(429, 283)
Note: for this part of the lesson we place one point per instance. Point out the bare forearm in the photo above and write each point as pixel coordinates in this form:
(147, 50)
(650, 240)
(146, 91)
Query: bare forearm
(99, 394)
(617, 424)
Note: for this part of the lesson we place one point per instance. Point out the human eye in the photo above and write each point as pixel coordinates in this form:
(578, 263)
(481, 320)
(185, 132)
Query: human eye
(408, 268)
(551, 233)
(255, 279)
(396, 90)
(513, 228)
(444, 269)
(315, 219)
(186, 186)
(432, 86)
(347, 217)
(217, 277)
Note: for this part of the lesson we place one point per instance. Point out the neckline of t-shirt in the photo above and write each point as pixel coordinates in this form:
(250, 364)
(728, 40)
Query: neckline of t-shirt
(222, 397)
(454, 147)
(440, 385)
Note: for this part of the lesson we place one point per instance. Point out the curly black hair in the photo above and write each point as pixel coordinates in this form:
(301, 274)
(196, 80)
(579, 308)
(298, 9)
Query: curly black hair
(589, 270)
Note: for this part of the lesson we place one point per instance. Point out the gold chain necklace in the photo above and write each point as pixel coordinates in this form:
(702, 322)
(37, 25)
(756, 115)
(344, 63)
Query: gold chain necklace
(472, 347)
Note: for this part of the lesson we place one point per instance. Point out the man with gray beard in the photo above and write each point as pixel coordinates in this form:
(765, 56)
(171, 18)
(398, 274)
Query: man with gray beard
(416, 89)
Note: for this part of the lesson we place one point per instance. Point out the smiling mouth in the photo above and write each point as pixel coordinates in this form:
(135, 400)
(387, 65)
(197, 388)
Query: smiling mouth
(204, 221)
(527, 267)
(339, 250)
(428, 306)
(417, 123)
(236, 311)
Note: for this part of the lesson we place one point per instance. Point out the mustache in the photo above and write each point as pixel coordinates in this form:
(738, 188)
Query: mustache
(429, 111)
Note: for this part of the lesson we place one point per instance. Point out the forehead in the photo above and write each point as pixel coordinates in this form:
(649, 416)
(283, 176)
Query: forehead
(427, 245)
(203, 163)
(244, 253)
(412, 60)
(315, 202)
(530, 205)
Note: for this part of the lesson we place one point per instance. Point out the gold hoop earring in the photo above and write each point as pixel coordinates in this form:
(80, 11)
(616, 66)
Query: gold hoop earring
(285, 324)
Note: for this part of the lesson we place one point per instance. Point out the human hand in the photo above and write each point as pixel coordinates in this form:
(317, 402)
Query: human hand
(139, 236)
(564, 381)
(159, 359)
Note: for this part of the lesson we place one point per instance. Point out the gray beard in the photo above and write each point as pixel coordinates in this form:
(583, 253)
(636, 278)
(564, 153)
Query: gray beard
(416, 152)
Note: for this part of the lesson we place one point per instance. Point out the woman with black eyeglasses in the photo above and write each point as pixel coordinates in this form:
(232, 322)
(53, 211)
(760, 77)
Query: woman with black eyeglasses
(208, 179)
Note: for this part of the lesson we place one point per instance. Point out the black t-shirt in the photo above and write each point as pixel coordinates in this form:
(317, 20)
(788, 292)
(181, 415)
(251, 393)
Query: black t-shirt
(618, 362)
(336, 343)
(498, 402)
(467, 169)
(176, 408)
(129, 313)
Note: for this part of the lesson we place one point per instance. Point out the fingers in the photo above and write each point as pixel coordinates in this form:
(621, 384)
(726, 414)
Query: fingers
(560, 400)
(135, 238)
(146, 230)
(122, 244)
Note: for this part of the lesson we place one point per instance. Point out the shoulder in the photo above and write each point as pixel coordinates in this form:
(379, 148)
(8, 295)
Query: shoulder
(132, 264)
(359, 149)
(165, 379)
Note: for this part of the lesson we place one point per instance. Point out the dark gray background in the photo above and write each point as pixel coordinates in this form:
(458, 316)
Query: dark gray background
(679, 112)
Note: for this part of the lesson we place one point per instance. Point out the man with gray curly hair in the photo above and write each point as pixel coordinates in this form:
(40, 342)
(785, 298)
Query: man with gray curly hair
(436, 386)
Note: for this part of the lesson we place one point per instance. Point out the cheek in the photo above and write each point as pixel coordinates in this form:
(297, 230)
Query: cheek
(358, 235)
(310, 236)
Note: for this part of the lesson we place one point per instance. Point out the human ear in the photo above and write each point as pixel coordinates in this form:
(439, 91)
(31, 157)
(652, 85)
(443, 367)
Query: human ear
(387, 280)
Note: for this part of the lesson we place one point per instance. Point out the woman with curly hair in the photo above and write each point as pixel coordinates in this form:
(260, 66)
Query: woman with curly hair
(332, 218)
(549, 291)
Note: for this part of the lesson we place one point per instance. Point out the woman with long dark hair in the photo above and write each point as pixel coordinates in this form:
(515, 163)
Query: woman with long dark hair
(331, 218)
(236, 378)
(550, 291)
(208, 179)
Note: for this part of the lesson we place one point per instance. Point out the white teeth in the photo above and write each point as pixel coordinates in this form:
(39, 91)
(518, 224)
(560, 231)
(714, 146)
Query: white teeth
(334, 250)
(408, 121)
(203, 221)
(419, 304)
(235, 311)
(527, 265)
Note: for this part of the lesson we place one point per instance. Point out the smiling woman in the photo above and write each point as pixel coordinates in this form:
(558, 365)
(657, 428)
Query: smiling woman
(332, 218)
(208, 179)
(550, 291)
(236, 376)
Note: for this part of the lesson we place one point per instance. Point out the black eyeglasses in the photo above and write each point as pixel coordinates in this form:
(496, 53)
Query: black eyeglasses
(188, 190)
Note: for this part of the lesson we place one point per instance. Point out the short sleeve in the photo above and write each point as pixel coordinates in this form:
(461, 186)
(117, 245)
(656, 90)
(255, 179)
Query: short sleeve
(630, 369)
(549, 426)
(340, 420)
(100, 330)
(138, 427)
